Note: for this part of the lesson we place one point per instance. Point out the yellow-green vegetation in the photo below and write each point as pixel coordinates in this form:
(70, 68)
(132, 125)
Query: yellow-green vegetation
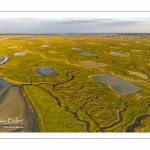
(72, 101)
(78, 113)
(50, 116)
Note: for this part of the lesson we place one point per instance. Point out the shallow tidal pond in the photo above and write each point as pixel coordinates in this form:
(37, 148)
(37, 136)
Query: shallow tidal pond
(88, 54)
(46, 71)
(121, 87)
(118, 54)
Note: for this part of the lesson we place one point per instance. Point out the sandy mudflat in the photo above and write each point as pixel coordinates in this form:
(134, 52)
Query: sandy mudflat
(31, 42)
(3, 59)
(76, 49)
(2, 39)
(113, 47)
(21, 53)
(118, 54)
(147, 44)
(122, 87)
(54, 52)
(15, 115)
(45, 46)
(134, 50)
(93, 64)
(13, 47)
(47, 43)
(88, 54)
(124, 44)
(137, 74)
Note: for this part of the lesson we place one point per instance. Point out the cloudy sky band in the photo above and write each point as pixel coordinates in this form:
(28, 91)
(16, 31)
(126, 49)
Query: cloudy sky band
(74, 22)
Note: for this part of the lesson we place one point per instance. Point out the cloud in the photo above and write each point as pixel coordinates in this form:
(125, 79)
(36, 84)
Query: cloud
(72, 25)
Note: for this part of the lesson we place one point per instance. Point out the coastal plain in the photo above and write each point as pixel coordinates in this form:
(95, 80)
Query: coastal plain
(50, 77)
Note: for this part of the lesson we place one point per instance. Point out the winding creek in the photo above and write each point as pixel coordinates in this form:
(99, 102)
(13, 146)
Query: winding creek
(137, 123)
(120, 115)
(87, 124)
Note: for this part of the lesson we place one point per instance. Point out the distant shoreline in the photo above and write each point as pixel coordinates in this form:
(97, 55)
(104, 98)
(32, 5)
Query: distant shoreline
(103, 34)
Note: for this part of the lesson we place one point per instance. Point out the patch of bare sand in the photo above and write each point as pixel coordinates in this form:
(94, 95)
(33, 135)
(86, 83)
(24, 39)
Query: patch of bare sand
(15, 115)
(93, 64)
(137, 74)
(130, 79)
(54, 52)
(114, 47)
(3, 59)
(136, 50)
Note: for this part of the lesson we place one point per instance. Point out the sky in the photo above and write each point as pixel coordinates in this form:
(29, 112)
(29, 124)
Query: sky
(73, 22)
(67, 22)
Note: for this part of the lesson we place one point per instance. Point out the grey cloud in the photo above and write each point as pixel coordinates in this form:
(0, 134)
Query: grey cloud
(43, 26)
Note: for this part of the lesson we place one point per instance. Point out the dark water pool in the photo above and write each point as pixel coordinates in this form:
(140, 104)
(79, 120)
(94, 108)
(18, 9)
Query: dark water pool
(120, 86)
(46, 71)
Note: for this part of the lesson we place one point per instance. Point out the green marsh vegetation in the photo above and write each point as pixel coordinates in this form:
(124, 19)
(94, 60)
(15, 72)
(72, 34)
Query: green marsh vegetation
(72, 101)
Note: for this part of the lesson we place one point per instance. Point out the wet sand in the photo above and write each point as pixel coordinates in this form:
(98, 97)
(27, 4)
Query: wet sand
(2, 39)
(124, 44)
(21, 53)
(118, 54)
(12, 47)
(15, 116)
(88, 54)
(147, 44)
(45, 46)
(113, 47)
(31, 42)
(3, 60)
(137, 74)
(76, 49)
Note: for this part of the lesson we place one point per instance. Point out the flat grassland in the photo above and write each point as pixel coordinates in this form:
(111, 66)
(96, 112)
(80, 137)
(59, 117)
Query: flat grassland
(72, 101)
